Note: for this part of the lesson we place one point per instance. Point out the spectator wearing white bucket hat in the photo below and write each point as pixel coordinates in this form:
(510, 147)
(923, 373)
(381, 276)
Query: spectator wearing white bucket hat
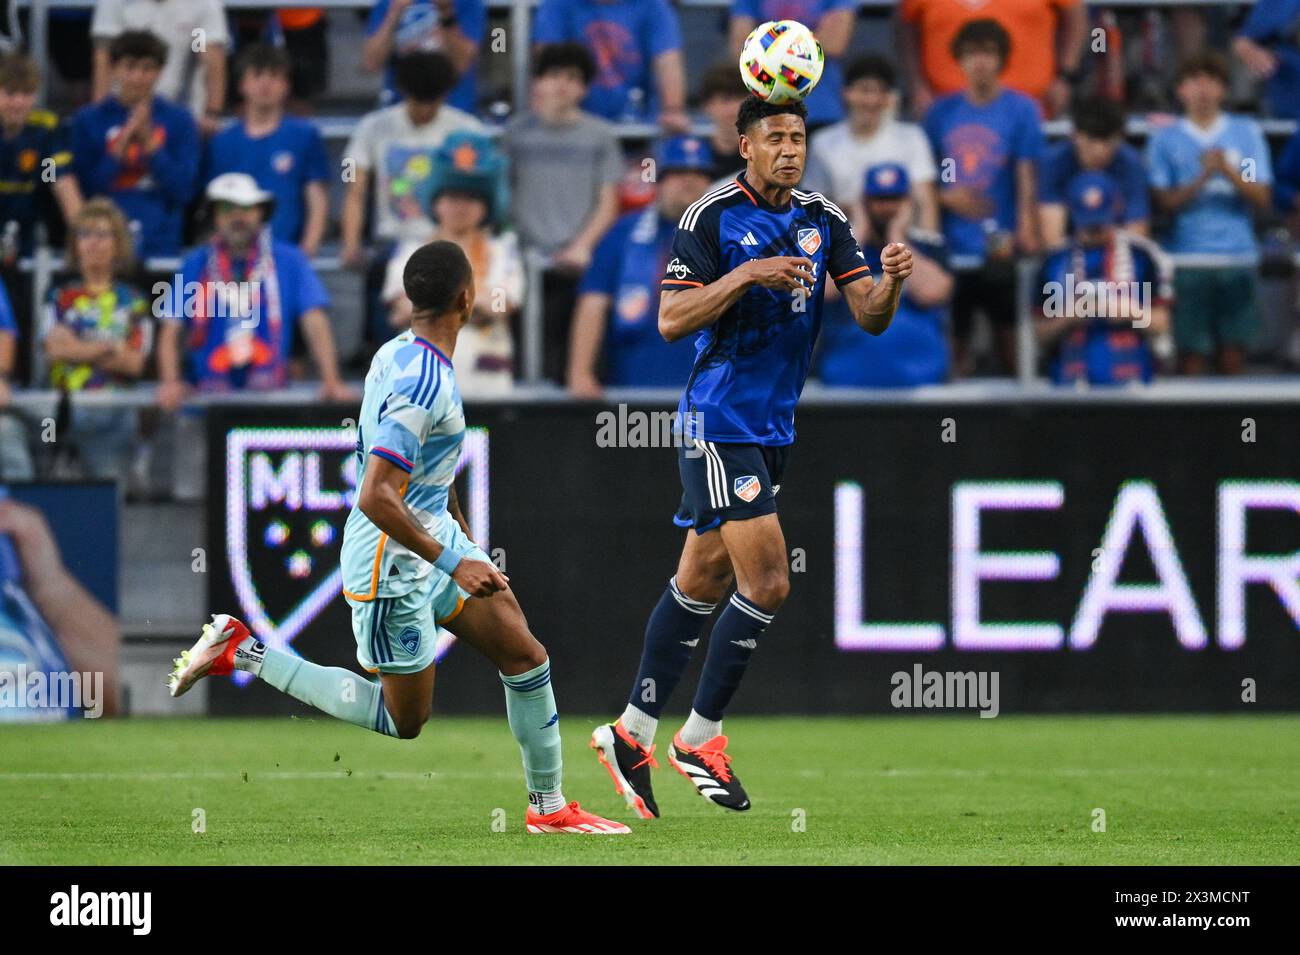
(236, 302)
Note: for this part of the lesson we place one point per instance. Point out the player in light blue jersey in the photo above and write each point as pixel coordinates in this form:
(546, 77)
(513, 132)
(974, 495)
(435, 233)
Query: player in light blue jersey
(409, 564)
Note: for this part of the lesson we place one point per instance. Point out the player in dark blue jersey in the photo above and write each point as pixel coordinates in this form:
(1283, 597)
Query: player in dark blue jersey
(749, 266)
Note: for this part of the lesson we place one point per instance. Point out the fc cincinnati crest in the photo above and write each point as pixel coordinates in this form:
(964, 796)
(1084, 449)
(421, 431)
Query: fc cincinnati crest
(810, 240)
(747, 487)
(409, 639)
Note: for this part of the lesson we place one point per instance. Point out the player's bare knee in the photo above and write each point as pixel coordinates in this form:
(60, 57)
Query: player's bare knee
(770, 589)
(409, 727)
(529, 656)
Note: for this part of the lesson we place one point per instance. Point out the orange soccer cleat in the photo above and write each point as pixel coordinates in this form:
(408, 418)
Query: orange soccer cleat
(573, 819)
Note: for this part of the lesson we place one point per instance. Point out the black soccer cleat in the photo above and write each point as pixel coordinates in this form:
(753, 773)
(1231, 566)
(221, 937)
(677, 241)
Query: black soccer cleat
(628, 764)
(709, 767)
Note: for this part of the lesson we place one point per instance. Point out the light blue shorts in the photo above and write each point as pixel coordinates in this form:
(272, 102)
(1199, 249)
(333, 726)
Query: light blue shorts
(400, 634)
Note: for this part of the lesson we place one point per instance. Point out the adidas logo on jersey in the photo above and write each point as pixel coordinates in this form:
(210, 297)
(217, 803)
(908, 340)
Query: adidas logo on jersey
(749, 239)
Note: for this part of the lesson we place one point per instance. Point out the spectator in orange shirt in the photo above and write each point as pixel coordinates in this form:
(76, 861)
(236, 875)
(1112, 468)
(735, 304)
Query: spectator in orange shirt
(1047, 42)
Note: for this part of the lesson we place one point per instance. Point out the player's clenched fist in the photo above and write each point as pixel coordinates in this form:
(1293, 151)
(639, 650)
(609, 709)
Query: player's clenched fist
(785, 272)
(896, 260)
(479, 579)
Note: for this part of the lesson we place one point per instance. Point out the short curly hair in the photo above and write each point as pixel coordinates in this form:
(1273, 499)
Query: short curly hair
(754, 110)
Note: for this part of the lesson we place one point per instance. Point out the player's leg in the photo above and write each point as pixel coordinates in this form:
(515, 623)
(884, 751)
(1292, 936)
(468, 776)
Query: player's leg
(626, 747)
(226, 646)
(757, 550)
(496, 627)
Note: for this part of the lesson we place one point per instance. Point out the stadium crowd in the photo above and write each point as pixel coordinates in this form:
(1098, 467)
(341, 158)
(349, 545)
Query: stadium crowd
(193, 166)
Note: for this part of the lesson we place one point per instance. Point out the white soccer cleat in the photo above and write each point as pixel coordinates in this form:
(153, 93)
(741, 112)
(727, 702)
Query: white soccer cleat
(212, 655)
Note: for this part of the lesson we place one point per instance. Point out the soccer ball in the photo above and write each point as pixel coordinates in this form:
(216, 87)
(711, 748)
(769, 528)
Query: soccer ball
(781, 61)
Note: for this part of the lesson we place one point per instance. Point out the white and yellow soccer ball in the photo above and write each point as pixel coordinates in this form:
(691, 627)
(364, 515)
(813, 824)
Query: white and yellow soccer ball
(781, 61)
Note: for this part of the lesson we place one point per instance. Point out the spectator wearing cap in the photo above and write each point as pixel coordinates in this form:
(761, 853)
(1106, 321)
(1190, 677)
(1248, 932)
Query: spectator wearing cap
(720, 96)
(137, 148)
(915, 351)
(192, 74)
(285, 154)
(1269, 44)
(991, 139)
(236, 303)
(1104, 298)
(468, 187)
(1210, 171)
(97, 334)
(830, 20)
(637, 48)
(1047, 39)
(617, 315)
(393, 147)
(452, 27)
(870, 135)
(565, 167)
(1096, 144)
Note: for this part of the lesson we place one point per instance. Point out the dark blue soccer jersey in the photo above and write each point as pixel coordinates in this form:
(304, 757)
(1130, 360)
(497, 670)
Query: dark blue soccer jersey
(750, 365)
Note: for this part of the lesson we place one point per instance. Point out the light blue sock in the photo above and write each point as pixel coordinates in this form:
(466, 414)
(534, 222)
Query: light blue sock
(535, 723)
(336, 691)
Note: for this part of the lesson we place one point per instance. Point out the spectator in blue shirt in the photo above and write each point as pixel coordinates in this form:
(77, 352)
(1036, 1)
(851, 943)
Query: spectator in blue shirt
(137, 148)
(987, 141)
(618, 297)
(1286, 178)
(1095, 145)
(15, 461)
(637, 46)
(1209, 171)
(915, 349)
(285, 154)
(454, 28)
(1269, 45)
(1104, 298)
(239, 299)
(830, 20)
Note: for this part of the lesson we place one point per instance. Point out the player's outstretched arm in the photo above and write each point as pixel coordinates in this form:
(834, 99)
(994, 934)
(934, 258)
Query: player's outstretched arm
(873, 303)
(683, 312)
(381, 501)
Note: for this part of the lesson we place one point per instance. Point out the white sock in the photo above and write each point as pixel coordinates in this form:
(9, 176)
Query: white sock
(249, 655)
(546, 803)
(698, 730)
(640, 725)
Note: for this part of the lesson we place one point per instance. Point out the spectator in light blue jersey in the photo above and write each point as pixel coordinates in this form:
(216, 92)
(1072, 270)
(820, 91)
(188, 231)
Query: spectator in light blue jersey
(1211, 171)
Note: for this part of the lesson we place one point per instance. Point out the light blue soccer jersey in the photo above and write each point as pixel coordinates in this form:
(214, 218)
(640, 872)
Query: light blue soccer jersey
(412, 416)
(1217, 220)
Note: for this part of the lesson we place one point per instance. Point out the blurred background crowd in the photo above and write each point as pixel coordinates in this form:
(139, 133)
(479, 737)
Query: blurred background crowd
(198, 198)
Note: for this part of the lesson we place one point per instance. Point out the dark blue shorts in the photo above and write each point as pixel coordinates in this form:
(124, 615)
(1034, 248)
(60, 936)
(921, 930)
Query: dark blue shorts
(727, 482)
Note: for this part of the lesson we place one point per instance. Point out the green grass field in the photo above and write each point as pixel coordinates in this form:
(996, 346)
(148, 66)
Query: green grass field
(1014, 790)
